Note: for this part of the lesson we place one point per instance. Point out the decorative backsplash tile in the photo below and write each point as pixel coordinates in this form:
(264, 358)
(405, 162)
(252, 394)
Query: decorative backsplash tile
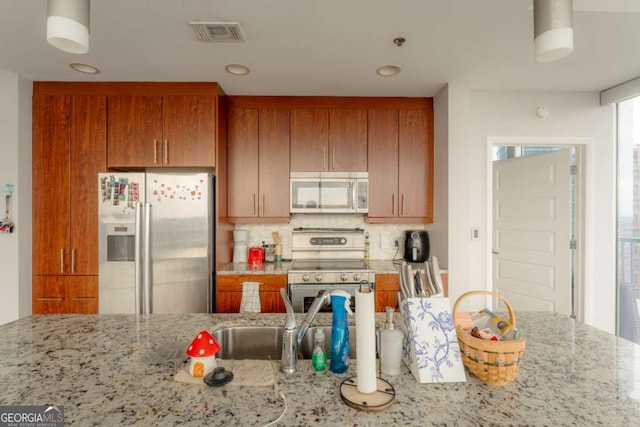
(381, 236)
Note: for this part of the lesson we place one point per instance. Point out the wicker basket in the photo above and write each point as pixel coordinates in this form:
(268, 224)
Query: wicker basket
(493, 362)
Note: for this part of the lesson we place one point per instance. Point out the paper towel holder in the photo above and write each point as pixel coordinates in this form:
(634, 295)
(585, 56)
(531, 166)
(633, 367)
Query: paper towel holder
(367, 284)
(379, 400)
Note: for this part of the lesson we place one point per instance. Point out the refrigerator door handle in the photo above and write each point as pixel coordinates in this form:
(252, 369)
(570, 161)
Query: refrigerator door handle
(147, 278)
(138, 259)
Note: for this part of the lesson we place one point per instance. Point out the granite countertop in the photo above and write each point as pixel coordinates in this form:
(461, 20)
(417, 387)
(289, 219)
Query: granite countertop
(98, 367)
(380, 266)
(264, 268)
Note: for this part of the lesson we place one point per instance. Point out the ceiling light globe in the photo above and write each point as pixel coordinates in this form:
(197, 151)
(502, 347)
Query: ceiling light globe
(68, 25)
(554, 44)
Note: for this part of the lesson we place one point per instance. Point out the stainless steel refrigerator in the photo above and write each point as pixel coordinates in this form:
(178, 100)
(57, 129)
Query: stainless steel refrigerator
(155, 242)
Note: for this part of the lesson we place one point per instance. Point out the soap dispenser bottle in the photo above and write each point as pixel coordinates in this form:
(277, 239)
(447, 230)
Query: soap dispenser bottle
(390, 346)
(341, 304)
(319, 356)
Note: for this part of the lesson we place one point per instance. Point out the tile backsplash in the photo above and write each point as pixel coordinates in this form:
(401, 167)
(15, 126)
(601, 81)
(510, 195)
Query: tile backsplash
(381, 236)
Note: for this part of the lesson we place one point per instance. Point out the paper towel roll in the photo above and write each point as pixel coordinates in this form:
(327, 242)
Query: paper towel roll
(365, 341)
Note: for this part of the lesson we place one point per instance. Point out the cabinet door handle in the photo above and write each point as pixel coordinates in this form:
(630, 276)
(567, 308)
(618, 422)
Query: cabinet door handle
(73, 261)
(62, 261)
(84, 299)
(402, 198)
(166, 151)
(50, 299)
(393, 204)
(333, 158)
(254, 204)
(324, 158)
(155, 151)
(263, 202)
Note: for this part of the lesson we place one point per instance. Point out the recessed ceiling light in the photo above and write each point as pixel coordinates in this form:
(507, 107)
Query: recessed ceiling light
(84, 68)
(237, 69)
(388, 70)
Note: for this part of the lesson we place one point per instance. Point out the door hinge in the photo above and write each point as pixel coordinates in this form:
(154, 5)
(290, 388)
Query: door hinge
(573, 244)
(573, 170)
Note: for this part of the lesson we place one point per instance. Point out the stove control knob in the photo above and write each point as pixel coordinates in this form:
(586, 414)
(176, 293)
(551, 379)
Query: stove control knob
(356, 277)
(318, 277)
(344, 277)
(305, 277)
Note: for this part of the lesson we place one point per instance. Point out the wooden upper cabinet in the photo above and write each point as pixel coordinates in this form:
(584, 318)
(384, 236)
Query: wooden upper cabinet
(348, 140)
(69, 149)
(258, 153)
(51, 164)
(243, 154)
(88, 156)
(328, 140)
(274, 164)
(400, 165)
(135, 131)
(383, 163)
(309, 139)
(415, 164)
(162, 131)
(189, 131)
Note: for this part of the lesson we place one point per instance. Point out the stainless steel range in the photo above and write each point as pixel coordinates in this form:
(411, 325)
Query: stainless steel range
(326, 258)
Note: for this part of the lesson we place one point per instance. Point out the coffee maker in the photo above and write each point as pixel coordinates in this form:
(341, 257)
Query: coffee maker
(240, 248)
(416, 246)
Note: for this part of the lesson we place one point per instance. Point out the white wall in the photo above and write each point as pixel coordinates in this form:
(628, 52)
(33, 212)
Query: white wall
(15, 168)
(466, 258)
(439, 230)
(504, 114)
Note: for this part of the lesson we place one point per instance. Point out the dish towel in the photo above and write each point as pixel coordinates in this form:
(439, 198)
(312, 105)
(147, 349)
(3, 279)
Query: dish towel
(250, 297)
(254, 373)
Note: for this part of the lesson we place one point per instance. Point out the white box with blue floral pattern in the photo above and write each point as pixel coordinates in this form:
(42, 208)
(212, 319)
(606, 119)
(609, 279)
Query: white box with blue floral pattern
(430, 347)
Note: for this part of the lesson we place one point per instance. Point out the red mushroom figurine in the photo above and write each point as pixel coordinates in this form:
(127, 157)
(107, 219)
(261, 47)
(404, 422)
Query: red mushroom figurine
(202, 351)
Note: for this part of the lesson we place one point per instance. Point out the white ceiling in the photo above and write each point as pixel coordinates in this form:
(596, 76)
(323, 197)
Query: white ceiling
(332, 47)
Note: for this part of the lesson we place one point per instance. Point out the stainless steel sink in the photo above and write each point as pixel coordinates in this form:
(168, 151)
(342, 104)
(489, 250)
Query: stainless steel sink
(249, 342)
(265, 342)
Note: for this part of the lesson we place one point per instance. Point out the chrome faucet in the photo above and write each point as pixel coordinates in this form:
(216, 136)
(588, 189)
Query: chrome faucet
(291, 335)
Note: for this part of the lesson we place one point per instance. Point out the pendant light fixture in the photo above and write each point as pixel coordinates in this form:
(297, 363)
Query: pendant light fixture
(553, 29)
(68, 25)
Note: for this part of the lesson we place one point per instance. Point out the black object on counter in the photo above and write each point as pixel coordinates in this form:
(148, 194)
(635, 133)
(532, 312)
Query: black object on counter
(416, 245)
(217, 377)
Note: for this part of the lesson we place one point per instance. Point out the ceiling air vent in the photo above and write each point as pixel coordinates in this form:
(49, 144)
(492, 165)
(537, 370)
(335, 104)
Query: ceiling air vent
(218, 31)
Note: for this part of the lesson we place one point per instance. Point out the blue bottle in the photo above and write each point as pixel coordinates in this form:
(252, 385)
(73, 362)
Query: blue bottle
(341, 303)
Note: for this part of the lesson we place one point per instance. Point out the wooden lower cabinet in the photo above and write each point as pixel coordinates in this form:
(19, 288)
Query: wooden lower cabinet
(386, 291)
(388, 286)
(65, 294)
(229, 292)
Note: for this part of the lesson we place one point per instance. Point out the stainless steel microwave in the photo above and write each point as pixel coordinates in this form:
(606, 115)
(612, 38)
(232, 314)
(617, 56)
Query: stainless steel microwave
(329, 192)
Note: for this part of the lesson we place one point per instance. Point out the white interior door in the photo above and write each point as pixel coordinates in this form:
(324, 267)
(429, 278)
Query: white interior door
(532, 231)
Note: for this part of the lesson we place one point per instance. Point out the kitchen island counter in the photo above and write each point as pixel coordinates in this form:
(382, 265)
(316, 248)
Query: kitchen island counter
(102, 369)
